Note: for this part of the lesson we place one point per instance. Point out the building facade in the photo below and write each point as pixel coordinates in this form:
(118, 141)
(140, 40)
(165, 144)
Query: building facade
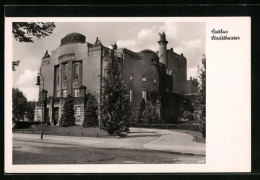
(77, 66)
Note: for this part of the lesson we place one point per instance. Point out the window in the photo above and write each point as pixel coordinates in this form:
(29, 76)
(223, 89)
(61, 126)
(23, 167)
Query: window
(76, 70)
(144, 78)
(76, 92)
(58, 80)
(105, 72)
(131, 77)
(144, 95)
(58, 93)
(64, 93)
(167, 71)
(170, 72)
(65, 71)
(131, 95)
(154, 80)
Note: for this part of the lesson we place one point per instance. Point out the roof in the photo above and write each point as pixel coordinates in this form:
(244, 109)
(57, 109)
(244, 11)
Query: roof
(148, 51)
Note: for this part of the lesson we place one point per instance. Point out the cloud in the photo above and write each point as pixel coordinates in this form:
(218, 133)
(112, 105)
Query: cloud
(27, 78)
(144, 39)
(26, 83)
(197, 43)
(30, 93)
(192, 72)
(127, 43)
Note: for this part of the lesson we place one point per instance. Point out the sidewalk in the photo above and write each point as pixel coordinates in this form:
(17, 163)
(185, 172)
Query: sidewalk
(176, 142)
(139, 138)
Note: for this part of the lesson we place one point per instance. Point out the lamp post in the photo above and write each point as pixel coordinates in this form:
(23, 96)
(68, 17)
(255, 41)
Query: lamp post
(44, 99)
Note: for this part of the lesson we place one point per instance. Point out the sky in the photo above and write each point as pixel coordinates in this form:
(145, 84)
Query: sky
(184, 37)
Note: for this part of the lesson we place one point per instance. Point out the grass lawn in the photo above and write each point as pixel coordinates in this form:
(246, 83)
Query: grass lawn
(197, 136)
(66, 131)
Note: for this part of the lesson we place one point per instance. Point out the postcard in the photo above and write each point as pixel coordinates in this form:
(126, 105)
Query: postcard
(127, 95)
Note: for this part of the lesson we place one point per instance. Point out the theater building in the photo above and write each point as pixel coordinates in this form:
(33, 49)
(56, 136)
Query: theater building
(77, 66)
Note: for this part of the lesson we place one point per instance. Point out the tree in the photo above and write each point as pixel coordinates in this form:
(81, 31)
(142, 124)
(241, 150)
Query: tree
(24, 31)
(19, 104)
(30, 110)
(115, 109)
(91, 111)
(15, 63)
(67, 117)
(201, 98)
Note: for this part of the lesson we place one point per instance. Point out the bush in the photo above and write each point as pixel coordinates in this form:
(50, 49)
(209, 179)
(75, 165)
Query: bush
(121, 134)
(142, 111)
(67, 117)
(25, 124)
(149, 114)
(91, 111)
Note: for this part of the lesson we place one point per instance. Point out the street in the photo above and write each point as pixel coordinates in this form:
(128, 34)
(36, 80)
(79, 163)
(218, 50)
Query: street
(143, 146)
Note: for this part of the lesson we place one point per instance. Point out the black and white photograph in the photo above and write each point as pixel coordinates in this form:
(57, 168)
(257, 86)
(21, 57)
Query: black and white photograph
(102, 92)
(108, 92)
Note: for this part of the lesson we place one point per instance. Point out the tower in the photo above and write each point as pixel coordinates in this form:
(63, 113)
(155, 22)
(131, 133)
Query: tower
(163, 49)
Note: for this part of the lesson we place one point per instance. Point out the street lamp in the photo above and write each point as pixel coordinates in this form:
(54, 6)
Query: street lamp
(44, 99)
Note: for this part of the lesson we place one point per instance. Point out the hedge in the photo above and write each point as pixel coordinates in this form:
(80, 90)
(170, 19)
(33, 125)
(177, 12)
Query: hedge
(25, 124)
(169, 126)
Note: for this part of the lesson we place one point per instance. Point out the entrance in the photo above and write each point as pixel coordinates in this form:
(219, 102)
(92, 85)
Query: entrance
(56, 115)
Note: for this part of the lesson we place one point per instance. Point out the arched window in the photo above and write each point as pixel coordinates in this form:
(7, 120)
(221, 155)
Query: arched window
(144, 95)
(131, 95)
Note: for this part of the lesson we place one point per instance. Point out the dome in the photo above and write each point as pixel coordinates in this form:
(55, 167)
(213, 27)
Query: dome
(73, 38)
(148, 51)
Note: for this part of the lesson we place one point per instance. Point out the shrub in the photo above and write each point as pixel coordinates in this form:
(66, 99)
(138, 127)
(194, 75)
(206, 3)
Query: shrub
(149, 114)
(67, 117)
(142, 111)
(91, 111)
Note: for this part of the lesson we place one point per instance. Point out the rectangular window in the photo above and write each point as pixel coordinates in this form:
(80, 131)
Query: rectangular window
(105, 72)
(170, 72)
(144, 78)
(154, 80)
(58, 93)
(58, 81)
(76, 71)
(144, 95)
(64, 72)
(131, 77)
(64, 93)
(131, 95)
(65, 69)
(39, 113)
(57, 76)
(76, 92)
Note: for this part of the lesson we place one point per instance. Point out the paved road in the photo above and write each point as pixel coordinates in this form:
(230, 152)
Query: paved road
(141, 146)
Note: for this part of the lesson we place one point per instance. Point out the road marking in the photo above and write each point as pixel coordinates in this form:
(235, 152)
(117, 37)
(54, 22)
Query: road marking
(153, 141)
